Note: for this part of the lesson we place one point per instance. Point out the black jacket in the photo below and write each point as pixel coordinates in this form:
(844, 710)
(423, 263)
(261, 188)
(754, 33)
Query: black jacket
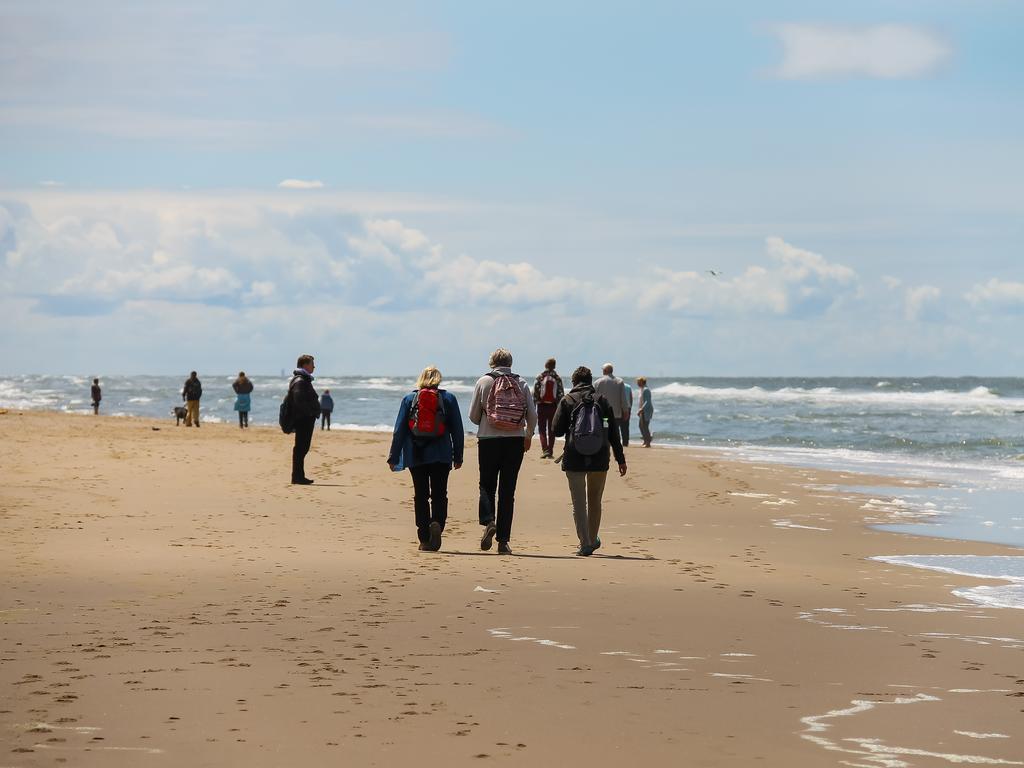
(242, 387)
(577, 462)
(305, 401)
(193, 389)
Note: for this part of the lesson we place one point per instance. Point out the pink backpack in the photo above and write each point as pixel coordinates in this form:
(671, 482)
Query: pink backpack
(506, 403)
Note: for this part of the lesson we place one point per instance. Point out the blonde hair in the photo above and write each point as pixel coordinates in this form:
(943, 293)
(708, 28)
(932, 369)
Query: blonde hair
(430, 378)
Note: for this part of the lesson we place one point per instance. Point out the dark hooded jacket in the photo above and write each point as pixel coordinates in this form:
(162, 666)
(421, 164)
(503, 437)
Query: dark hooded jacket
(572, 461)
(305, 402)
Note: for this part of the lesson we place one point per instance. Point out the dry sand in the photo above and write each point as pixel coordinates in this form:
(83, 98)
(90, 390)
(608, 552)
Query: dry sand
(170, 600)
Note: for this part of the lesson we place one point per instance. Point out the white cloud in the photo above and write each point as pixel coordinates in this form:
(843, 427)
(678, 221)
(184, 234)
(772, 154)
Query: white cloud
(916, 300)
(301, 184)
(892, 283)
(886, 51)
(997, 293)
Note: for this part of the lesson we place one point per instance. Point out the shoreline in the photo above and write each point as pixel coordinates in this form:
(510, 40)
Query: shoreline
(171, 597)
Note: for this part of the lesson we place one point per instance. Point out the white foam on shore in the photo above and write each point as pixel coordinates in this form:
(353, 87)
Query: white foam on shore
(874, 752)
(791, 524)
(973, 735)
(502, 633)
(1009, 568)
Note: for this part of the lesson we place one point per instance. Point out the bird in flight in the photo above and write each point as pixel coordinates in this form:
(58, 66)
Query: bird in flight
(714, 273)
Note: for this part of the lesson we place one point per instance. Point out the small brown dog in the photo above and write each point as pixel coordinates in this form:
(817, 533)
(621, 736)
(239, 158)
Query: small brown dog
(179, 414)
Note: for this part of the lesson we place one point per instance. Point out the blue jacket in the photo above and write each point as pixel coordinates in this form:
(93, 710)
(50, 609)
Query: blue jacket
(243, 402)
(446, 449)
(327, 403)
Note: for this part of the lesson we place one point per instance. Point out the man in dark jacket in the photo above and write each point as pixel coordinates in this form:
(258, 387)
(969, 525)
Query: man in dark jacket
(305, 408)
(190, 393)
(547, 391)
(97, 395)
(586, 467)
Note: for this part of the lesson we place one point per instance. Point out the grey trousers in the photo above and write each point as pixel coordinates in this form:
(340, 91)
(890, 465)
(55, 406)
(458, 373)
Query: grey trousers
(645, 430)
(586, 489)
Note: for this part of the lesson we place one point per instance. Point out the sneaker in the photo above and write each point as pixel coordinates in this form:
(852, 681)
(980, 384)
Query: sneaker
(596, 545)
(302, 481)
(504, 548)
(435, 537)
(584, 551)
(424, 547)
(488, 537)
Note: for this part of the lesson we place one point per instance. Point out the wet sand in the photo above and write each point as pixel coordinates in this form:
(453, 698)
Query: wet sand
(170, 600)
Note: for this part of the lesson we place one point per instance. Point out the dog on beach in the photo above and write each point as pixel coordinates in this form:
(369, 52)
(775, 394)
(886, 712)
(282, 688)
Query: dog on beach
(179, 414)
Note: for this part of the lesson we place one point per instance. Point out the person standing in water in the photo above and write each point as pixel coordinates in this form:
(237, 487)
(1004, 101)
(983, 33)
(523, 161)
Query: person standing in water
(97, 395)
(645, 410)
(243, 399)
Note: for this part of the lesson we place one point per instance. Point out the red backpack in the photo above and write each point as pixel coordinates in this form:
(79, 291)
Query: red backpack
(548, 387)
(427, 414)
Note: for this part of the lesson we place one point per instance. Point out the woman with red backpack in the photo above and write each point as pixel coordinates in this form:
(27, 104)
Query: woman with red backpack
(429, 440)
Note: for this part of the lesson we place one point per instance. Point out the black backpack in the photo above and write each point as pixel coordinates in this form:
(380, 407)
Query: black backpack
(286, 417)
(586, 427)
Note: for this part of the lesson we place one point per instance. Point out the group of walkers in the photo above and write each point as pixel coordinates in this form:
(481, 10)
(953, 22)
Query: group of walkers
(429, 440)
(429, 437)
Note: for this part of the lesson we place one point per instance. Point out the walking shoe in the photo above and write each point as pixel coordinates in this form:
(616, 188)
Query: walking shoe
(584, 551)
(302, 481)
(488, 537)
(504, 548)
(424, 547)
(435, 536)
(596, 545)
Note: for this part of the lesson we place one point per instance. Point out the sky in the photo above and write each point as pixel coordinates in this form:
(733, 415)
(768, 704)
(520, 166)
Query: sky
(682, 188)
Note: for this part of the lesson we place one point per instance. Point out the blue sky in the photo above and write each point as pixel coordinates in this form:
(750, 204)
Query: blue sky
(222, 185)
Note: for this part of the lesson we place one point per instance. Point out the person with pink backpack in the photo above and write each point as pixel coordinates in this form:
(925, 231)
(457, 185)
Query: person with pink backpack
(505, 413)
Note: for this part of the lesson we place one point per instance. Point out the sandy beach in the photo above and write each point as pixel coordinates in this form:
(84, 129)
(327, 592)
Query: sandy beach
(170, 600)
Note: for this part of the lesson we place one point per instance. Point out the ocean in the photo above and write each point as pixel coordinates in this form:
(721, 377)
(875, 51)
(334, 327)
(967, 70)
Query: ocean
(965, 434)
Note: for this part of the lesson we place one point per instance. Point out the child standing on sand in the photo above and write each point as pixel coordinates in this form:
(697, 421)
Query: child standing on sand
(429, 440)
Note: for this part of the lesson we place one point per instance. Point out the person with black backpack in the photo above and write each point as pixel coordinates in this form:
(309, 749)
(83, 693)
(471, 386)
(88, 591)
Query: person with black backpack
(429, 441)
(299, 412)
(587, 422)
(547, 391)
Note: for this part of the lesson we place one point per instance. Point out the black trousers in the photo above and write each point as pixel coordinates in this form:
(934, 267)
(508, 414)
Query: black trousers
(624, 430)
(303, 438)
(325, 419)
(430, 496)
(243, 418)
(500, 460)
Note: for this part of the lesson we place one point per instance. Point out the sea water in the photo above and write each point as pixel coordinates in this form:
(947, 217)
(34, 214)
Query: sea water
(964, 434)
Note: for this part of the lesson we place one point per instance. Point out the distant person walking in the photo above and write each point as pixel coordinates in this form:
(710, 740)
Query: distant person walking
(305, 407)
(547, 391)
(243, 398)
(613, 389)
(326, 409)
(97, 395)
(429, 440)
(587, 422)
(645, 410)
(506, 416)
(191, 393)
